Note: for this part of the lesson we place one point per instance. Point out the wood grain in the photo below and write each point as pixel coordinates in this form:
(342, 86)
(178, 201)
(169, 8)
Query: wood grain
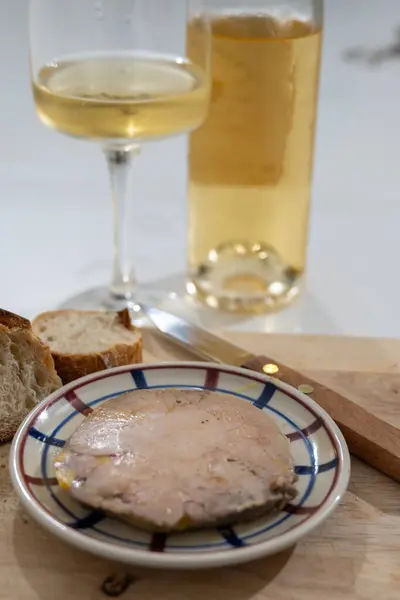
(369, 437)
(354, 555)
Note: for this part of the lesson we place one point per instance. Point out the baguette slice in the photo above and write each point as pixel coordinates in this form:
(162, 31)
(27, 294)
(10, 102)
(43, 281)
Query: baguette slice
(27, 372)
(84, 342)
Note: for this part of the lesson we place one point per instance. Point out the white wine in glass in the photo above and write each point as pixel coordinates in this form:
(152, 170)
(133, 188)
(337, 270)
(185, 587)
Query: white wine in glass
(115, 72)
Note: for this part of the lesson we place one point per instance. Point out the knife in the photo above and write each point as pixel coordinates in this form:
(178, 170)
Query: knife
(369, 438)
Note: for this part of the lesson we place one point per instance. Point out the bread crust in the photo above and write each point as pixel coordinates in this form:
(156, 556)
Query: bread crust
(8, 428)
(12, 322)
(73, 366)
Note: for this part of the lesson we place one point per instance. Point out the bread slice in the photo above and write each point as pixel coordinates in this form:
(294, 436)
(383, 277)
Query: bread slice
(27, 372)
(84, 342)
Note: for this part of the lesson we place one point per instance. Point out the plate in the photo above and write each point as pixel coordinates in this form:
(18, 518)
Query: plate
(319, 452)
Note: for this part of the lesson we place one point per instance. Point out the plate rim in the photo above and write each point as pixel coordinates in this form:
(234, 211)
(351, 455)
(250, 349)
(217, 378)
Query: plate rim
(180, 560)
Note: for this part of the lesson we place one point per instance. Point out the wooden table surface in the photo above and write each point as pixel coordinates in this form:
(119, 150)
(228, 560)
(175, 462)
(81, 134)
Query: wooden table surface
(354, 555)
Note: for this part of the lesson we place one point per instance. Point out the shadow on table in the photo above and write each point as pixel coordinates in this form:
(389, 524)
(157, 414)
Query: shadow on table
(51, 568)
(304, 314)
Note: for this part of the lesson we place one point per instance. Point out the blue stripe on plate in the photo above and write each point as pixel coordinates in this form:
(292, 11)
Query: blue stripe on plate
(265, 396)
(89, 521)
(158, 542)
(49, 440)
(230, 536)
(139, 379)
(316, 469)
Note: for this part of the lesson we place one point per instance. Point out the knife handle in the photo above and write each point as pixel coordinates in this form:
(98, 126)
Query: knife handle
(368, 437)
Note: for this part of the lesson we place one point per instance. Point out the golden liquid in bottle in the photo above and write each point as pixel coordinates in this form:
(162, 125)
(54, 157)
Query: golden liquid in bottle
(121, 97)
(250, 164)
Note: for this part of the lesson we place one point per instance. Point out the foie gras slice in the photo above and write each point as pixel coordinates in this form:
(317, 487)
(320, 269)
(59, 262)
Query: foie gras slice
(173, 459)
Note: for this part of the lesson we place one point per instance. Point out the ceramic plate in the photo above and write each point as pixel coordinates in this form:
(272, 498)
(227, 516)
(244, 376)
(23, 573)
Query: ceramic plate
(318, 449)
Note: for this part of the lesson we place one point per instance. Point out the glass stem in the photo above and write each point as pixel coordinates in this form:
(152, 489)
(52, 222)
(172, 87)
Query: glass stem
(119, 160)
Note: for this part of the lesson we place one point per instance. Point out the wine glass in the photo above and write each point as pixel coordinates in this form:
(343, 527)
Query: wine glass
(116, 72)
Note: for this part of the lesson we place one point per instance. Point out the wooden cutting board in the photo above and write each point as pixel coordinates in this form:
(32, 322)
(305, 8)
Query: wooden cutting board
(354, 555)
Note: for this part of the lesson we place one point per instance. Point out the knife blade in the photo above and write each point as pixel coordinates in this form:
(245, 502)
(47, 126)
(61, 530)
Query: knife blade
(200, 342)
(370, 438)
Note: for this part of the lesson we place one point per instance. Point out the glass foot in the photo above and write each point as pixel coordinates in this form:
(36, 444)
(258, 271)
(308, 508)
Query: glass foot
(168, 293)
(100, 298)
(96, 299)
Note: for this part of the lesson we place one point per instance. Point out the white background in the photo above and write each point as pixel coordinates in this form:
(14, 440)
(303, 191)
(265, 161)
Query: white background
(55, 209)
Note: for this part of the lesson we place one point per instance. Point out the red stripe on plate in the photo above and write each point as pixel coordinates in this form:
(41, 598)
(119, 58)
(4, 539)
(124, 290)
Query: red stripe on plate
(301, 510)
(306, 432)
(41, 480)
(212, 376)
(77, 403)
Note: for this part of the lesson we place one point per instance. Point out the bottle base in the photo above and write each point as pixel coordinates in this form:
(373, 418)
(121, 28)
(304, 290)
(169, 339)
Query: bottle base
(244, 277)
